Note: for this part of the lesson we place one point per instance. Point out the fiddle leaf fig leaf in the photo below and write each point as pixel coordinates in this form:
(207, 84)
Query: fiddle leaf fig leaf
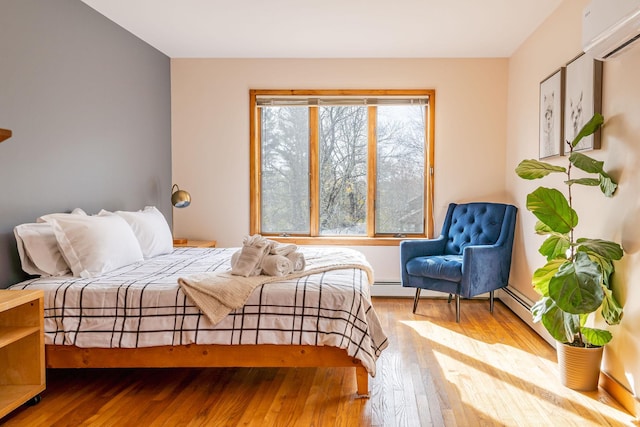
(607, 185)
(556, 245)
(605, 264)
(583, 319)
(576, 287)
(611, 310)
(571, 327)
(542, 229)
(589, 128)
(562, 326)
(586, 163)
(552, 208)
(534, 169)
(603, 248)
(541, 306)
(543, 275)
(592, 182)
(596, 337)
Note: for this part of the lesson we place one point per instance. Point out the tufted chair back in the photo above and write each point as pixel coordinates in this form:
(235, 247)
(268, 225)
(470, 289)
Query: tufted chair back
(473, 224)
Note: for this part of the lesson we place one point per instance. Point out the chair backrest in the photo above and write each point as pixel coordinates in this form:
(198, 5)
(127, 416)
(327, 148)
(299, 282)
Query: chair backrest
(472, 224)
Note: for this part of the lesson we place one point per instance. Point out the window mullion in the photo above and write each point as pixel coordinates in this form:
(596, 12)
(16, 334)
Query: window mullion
(429, 165)
(371, 172)
(255, 186)
(314, 171)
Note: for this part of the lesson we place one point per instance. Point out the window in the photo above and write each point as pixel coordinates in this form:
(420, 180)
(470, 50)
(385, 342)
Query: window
(344, 166)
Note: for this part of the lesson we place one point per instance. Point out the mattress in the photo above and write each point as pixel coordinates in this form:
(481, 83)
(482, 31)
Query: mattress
(142, 305)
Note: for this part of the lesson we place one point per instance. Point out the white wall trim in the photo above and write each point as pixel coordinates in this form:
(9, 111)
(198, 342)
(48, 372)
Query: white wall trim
(395, 289)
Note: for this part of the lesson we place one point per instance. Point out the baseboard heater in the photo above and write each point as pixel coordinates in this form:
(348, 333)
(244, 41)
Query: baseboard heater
(518, 297)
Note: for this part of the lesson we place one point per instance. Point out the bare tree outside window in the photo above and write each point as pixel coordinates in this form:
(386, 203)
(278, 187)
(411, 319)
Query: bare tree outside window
(343, 170)
(400, 171)
(285, 170)
(343, 164)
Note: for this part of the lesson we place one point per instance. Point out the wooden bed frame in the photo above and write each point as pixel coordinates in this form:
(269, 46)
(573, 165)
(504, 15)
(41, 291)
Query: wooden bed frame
(208, 356)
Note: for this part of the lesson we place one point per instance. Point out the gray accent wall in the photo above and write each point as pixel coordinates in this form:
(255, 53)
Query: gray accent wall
(89, 105)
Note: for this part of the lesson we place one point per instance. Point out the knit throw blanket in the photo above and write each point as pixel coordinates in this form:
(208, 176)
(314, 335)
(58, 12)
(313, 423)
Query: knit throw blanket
(217, 294)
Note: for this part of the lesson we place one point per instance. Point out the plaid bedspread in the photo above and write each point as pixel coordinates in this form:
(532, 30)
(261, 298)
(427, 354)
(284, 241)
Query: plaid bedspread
(141, 305)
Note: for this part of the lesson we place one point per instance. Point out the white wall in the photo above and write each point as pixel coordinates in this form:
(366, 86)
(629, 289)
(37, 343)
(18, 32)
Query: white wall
(210, 125)
(556, 42)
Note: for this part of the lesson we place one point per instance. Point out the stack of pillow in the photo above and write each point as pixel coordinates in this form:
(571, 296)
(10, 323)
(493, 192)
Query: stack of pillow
(90, 245)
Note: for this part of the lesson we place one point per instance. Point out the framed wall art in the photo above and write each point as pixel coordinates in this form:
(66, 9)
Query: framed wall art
(551, 115)
(583, 98)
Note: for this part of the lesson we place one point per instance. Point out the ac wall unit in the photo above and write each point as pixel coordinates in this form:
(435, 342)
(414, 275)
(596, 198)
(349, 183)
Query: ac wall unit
(609, 27)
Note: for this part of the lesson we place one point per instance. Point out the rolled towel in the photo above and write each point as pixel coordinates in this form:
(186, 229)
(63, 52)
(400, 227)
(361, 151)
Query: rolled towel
(298, 261)
(234, 260)
(257, 241)
(281, 249)
(251, 255)
(276, 265)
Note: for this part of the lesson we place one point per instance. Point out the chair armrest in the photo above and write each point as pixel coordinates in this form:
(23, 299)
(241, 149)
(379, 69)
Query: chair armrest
(422, 247)
(484, 268)
(410, 249)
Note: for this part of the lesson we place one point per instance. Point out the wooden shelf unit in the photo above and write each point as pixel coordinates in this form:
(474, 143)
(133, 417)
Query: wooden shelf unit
(22, 367)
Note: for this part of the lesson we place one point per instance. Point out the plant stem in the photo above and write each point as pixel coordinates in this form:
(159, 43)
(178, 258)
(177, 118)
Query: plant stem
(570, 202)
(580, 340)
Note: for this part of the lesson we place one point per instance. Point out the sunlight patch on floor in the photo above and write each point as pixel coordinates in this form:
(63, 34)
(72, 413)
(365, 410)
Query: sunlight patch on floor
(493, 377)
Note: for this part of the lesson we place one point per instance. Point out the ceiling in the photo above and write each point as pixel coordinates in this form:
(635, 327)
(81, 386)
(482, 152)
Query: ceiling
(329, 28)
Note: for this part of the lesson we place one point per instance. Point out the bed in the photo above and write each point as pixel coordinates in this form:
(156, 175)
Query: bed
(137, 315)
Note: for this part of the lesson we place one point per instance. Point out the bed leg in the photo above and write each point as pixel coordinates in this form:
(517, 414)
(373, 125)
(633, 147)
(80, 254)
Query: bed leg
(362, 380)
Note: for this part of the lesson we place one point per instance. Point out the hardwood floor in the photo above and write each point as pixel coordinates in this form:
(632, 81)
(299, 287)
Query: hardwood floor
(485, 371)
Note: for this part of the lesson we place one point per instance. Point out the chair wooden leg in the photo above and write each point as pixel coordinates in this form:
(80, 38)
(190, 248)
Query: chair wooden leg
(415, 299)
(491, 302)
(457, 308)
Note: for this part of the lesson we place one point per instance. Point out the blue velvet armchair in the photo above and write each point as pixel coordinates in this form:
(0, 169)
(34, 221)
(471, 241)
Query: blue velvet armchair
(472, 256)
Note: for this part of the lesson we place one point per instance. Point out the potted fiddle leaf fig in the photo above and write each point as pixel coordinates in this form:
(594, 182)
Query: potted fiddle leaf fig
(574, 282)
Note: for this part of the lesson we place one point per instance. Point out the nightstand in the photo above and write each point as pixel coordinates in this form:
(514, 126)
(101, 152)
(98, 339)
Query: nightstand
(22, 371)
(195, 244)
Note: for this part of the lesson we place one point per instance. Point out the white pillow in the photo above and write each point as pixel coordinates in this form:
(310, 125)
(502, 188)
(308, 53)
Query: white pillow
(94, 245)
(38, 250)
(151, 230)
(45, 218)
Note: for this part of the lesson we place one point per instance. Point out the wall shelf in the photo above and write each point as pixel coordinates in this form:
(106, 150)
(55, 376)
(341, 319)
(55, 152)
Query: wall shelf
(5, 134)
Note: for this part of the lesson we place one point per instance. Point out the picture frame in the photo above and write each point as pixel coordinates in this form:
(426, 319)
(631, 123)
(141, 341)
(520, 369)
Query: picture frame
(583, 98)
(551, 114)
